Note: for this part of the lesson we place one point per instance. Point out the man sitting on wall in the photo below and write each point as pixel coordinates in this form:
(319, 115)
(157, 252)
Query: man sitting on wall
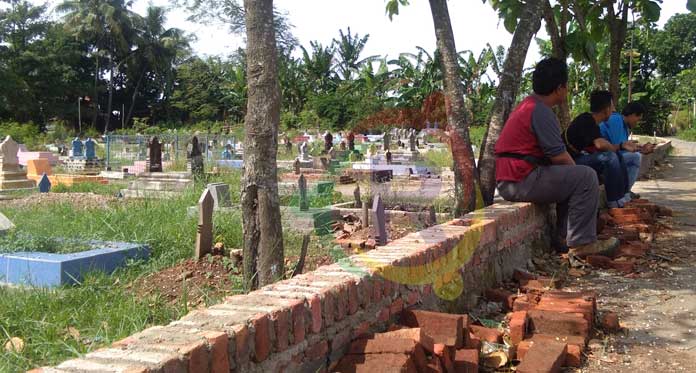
(532, 164)
(616, 130)
(587, 146)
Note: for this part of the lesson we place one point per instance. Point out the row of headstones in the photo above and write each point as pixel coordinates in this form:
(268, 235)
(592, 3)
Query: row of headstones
(194, 157)
(86, 149)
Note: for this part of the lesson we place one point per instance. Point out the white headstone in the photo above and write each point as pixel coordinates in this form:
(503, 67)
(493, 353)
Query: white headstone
(5, 224)
(8, 152)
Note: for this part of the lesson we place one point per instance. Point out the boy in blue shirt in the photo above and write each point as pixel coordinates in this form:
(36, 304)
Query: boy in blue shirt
(617, 130)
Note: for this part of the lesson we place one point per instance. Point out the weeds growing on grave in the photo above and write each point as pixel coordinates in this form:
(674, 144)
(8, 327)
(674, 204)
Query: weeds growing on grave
(58, 324)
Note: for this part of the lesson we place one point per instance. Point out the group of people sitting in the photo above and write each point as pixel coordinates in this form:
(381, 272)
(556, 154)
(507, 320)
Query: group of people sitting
(538, 162)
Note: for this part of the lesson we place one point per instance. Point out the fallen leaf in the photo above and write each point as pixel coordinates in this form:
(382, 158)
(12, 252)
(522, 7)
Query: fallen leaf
(74, 333)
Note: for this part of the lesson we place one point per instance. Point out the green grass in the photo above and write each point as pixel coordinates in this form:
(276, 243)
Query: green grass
(110, 189)
(104, 308)
(15, 242)
(687, 135)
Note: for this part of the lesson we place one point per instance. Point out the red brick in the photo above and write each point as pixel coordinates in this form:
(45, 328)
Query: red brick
(365, 292)
(569, 302)
(262, 338)
(390, 345)
(487, 334)
(473, 342)
(610, 322)
(522, 303)
(625, 266)
(281, 326)
(318, 350)
(362, 330)
(415, 334)
(388, 288)
(435, 366)
(298, 322)
(599, 261)
(196, 354)
(632, 250)
(352, 298)
(444, 328)
(396, 307)
(377, 290)
(241, 339)
(506, 298)
(383, 314)
(538, 285)
(219, 356)
(518, 327)
(544, 357)
(555, 323)
(466, 361)
(575, 346)
(328, 308)
(340, 294)
(373, 363)
(442, 352)
(314, 305)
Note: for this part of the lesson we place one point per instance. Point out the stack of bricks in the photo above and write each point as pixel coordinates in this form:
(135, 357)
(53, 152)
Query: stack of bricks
(635, 226)
(549, 328)
(308, 323)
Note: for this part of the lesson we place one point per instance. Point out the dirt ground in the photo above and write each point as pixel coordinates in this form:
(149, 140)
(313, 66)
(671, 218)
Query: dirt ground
(79, 200)
(657, 307)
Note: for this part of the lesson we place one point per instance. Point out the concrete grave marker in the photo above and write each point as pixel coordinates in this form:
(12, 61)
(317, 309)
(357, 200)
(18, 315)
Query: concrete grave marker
(5, 224)
(296, 166)
(44, 184)
(90, 148)
(356, 196)
(204, 233)
(76, 147)
(8, 152)
(11, 176)
(387, 140)
(365, 215)
(380, 221)
(302, 185)
(196, 158)
(154, 159)
(221, 194)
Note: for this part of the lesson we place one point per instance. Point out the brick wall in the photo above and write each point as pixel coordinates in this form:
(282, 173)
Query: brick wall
(305, 324)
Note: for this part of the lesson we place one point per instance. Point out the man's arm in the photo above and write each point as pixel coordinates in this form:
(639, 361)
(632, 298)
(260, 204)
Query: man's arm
(563, 159)
(605, 146)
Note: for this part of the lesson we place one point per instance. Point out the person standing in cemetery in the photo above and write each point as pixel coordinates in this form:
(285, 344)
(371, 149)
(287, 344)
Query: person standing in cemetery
(617, 130)
(533, 165)
(586, 145)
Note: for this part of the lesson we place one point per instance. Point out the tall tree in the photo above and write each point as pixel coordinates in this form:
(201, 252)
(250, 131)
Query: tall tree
(526, 27)
(263, 232)
(457, 118)
(349, 47)
(107, 24)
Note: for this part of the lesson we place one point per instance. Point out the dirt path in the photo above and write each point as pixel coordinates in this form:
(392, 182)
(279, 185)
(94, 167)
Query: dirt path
(657, 309)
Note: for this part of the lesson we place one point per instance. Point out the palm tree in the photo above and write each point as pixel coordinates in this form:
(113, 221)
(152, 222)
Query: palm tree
(319, 66)
(107, 25)
(158, 51)
(349, 47)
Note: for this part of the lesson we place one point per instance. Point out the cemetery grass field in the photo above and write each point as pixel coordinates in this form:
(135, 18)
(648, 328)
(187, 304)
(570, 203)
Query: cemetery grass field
(57, 324)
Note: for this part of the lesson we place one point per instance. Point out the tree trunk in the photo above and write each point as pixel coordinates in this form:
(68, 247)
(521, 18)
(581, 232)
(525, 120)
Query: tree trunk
(135, 93)
(458, 123)
(557, 32)
(263, 232)
(111, 94)
(590, 55)
(510, 78)
(617, 36)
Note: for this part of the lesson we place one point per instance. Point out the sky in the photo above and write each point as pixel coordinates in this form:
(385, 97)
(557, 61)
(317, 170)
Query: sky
(474, 24)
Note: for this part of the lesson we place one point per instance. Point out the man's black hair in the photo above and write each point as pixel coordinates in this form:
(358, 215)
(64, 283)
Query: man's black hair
(600, 100)
(634, 107)
(548, 75)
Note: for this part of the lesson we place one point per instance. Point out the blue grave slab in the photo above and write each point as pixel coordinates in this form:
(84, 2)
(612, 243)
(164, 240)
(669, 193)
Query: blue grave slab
(49, 270)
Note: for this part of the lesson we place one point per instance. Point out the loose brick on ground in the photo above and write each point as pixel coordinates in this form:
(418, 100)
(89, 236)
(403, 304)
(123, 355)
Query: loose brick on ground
(391, 346)
(487, 334)
(443, 328)
(610, 322)
(555, 323)
(466, 361)
(575, 346)
(414, 334)
(518, 326)
(502, 296)
(376, 363)
(544, 357)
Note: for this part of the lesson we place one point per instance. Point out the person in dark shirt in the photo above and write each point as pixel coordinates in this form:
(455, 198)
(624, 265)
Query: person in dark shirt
(587, 147)
(532, 164)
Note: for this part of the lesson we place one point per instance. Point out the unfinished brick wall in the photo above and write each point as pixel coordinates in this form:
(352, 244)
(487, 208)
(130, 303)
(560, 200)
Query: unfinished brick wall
(306, 323)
